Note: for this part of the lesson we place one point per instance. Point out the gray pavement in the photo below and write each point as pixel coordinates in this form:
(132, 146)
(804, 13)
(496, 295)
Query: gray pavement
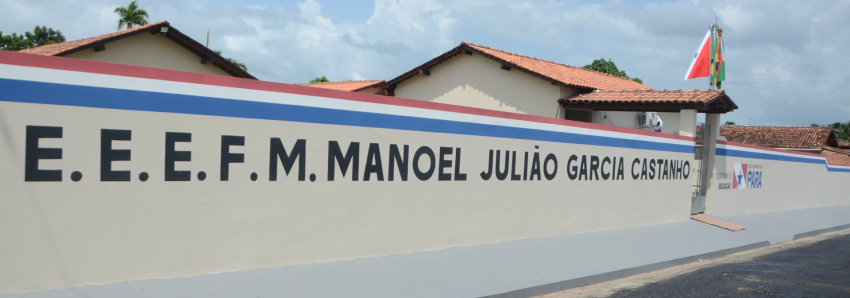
(821, 269)
(512, 269)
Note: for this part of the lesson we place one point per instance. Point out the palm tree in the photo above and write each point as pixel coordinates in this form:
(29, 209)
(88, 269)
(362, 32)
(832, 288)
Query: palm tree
(131, 16)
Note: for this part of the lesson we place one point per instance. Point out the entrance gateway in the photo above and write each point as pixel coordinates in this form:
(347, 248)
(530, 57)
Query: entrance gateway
(701, 169)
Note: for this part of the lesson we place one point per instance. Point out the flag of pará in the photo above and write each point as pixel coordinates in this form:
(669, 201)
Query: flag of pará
(701, 65)
(709, 61)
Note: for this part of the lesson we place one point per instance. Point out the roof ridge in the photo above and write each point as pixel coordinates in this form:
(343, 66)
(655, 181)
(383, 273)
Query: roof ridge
(779, 126)
(331, 82)
(544, 60)
(96, 37)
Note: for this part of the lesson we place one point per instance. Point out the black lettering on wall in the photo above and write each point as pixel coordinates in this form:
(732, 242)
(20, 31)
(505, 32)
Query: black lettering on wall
(444, 163)
(108, 155)
(335, 155)
(572, 171)
(500, 174)
(605, 176)
(635, 175)
(651, 169)
(594, 165)
(535, 166)
(582, 172)
(278, 152)
(620, 172)
(33, 153)
(395, 157)
(226, 157)
(687, 172)
(666, 173)
(458, 175)
(678, 169)
(373, 163)
(416, 171)
(550, 176)
(525, 167)
(643, 170)
(172, 156)
(514, 176)
(485, 175)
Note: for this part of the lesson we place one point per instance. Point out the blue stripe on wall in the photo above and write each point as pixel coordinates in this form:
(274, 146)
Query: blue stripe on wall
(778, 157)
(122, 99)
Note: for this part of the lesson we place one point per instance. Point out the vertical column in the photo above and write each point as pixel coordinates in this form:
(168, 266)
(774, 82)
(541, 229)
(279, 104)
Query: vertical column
(712, 120)
(688, 123)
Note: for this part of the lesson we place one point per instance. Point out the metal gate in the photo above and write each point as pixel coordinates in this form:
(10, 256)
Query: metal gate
(701, 169)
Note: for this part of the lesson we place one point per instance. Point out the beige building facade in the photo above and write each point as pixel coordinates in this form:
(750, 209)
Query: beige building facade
(481, 77)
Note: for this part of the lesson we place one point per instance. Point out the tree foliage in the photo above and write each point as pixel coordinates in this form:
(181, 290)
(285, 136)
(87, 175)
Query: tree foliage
(131, 16)
(603, 66)
(320, 80)
(729, 123)
(38, 37)
(240, 64)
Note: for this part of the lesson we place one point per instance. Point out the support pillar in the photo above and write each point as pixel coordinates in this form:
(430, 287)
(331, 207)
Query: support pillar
(712, 120)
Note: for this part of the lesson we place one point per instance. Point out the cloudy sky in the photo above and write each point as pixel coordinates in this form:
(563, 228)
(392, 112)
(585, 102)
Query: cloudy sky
(788, 61)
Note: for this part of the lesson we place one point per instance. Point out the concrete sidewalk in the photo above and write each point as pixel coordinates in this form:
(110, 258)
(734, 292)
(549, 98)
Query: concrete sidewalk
(512, 269)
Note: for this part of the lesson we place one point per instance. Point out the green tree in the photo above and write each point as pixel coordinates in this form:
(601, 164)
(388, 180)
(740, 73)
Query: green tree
(729, 123)
(39, 37)
(603, 66)
(320, 80)
(842, 130)
(131, 16)
(44, 36)
(13, 42)
(240, 64)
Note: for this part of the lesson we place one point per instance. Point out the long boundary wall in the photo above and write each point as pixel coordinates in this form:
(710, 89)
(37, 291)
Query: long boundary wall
(113, 173)
(752, 179)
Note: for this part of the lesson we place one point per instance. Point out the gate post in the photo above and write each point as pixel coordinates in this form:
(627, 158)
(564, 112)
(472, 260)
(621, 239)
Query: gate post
(712, 120)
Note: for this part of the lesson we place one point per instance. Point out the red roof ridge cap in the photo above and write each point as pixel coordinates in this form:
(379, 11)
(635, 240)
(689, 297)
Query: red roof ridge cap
(347, 81)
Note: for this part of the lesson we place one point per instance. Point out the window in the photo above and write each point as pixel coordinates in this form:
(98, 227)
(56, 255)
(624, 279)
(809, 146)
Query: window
(578, 115)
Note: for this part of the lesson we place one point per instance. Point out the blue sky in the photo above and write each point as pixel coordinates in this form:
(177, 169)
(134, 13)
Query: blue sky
(787, 61)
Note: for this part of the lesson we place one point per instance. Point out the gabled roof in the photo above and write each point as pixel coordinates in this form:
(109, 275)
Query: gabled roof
(207, 55)
(347, 85)
(706, 101)
(780, 136)
(554, 72)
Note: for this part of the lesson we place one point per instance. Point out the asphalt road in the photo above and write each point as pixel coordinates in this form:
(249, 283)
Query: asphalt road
(818, 270)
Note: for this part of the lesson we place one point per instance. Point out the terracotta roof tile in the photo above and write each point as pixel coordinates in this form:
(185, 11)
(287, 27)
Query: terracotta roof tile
(569, 75)
(347, 85)
(57, 49)
(656, 100)
(778, 136)
(654, 96)
(836, 156)
(844, 144)
(557, 73)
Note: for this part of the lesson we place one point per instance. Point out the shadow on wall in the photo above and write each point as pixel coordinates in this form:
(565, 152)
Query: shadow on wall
(470, 97)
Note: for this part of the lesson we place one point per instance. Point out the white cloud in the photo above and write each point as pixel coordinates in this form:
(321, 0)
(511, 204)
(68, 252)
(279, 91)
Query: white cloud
(767, 41)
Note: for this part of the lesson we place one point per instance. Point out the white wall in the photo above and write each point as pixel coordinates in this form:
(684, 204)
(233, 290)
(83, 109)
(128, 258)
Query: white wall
(629, 120)
(150, 50)
(786, 185)
(476, 81)
(66, 233)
